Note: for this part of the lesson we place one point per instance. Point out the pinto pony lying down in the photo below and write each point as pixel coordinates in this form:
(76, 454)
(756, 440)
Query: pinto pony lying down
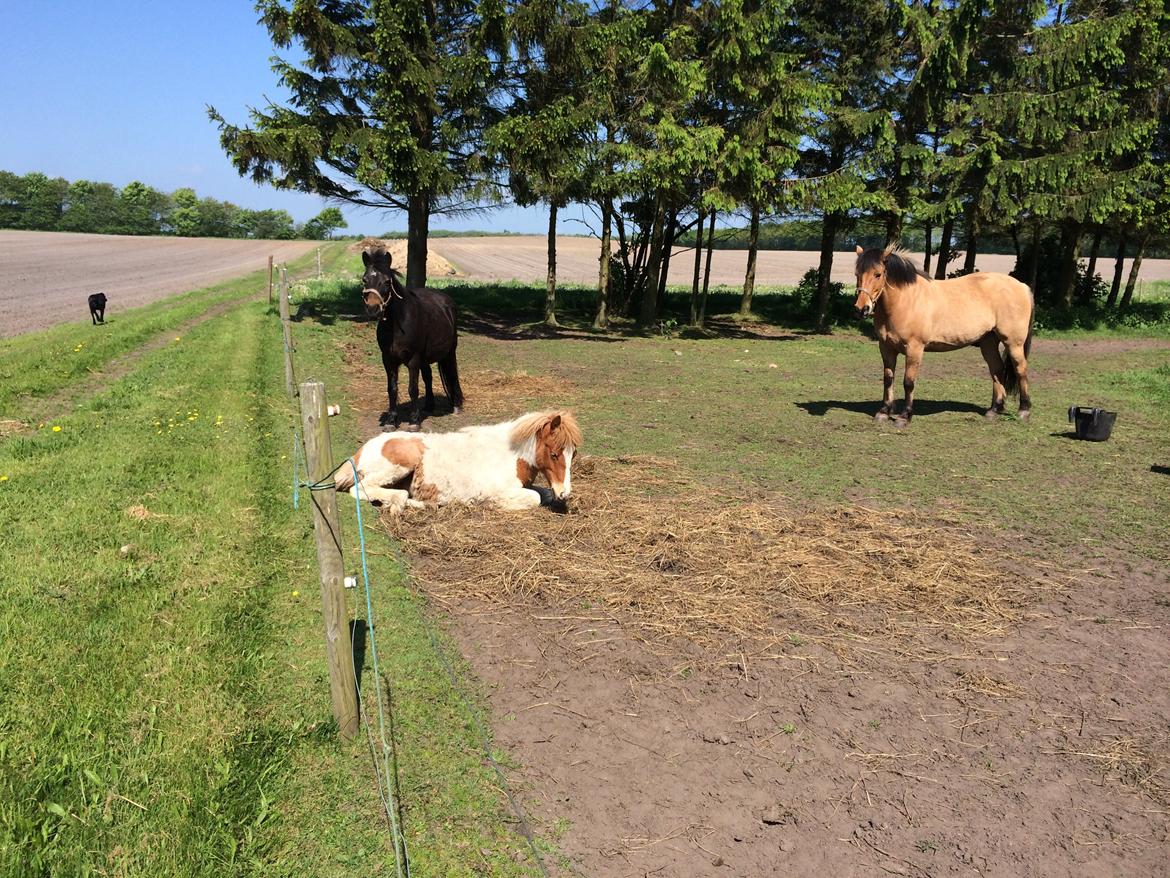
(494, 464)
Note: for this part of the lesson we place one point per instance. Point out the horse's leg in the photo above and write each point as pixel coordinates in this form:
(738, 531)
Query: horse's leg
(1020, 359)
(909, 376)
(390, 416)
(412, 387)
(989, 346)
(889, 364)
(392, 499)
(429, 405)
(521, 498)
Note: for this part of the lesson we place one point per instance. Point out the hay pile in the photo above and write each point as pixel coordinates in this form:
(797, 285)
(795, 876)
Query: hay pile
(437, 266)
(679, 562)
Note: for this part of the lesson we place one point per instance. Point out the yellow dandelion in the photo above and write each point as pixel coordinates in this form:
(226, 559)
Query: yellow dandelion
(3, 478)
(56, 429)
(178, 337)
(296, 594)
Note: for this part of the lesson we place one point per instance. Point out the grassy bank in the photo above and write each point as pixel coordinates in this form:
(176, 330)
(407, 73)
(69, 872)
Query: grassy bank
(166, 705)
(39, 363)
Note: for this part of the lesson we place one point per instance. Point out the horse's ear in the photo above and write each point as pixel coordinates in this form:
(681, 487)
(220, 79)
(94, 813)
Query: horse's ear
(860, 249)
(554, 423)
(366, 258)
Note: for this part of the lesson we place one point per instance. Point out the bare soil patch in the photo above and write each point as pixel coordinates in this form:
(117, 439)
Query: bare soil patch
(46, 277)
(525, 258)
(697, 684)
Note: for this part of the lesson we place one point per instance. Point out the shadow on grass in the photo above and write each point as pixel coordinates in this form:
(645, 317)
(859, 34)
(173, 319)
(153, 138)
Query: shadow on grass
(357, 641)
(922, 407)
(515, 312)
(1160, 470)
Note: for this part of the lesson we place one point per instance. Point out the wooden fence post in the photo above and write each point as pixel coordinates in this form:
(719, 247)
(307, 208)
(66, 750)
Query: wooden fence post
(289, 378)
(338, 649)
(270, 281)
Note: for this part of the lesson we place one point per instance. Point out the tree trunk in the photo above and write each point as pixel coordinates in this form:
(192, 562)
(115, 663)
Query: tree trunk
(749, 280)
(1034, 268)
(707, 269)
(1094, 250)
(1070, 240)
(944, 249)
(694, 321)
(926, 258)
(1084, 288)
(825, 269)
(1118, 268)
(649, 309)
(1133, 272)
(601, 319)
(972, 243)
(418, 221)
(893, 229)
(550, 297)
(670, 229)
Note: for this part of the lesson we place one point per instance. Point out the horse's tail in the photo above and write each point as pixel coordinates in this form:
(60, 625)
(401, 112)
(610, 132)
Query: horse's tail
(449, 375)
(343, 478)
(1011, 382)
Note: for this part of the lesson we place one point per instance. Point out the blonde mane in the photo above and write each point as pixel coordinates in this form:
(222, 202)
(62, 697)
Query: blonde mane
(566, 433)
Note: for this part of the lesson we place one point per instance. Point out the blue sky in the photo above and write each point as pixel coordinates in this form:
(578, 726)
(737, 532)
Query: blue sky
(116, 91)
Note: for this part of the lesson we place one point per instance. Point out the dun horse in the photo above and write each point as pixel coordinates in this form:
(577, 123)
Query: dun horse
(494, 464)
(416, 327)
(913, 314)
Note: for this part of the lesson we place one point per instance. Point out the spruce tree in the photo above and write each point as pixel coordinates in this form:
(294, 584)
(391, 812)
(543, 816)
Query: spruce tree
(387, 111)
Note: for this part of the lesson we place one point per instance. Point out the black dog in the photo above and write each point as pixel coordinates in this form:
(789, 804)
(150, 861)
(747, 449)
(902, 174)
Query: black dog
(97, 308)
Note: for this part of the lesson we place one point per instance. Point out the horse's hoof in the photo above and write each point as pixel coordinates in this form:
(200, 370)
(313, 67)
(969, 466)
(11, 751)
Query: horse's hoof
(882, 416)
(412, 428)
(991, 414)
(457, 410)
(901, 423)
(1024, 414)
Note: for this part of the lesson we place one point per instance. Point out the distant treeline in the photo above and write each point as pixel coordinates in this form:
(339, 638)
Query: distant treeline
(37, 202)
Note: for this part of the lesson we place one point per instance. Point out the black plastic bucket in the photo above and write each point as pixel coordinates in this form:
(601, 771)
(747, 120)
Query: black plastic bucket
(1092, 424)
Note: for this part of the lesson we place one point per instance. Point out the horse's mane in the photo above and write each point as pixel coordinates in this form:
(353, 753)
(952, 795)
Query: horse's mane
(567, 432)
(900, 271)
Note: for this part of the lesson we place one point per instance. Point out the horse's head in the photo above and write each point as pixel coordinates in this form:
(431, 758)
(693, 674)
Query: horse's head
(377, 281)
(871, 279)
(547, 441)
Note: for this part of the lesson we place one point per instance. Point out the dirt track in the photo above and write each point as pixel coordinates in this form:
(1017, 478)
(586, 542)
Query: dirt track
(45, 277)
(525, 257)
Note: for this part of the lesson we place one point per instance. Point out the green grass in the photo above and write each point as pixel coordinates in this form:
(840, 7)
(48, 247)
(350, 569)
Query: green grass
(804, 428)
(166, 707)
(40, 363)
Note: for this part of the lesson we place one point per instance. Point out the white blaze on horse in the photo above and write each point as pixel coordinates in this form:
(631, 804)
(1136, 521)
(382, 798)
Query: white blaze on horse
(913, 313)
(495, 464)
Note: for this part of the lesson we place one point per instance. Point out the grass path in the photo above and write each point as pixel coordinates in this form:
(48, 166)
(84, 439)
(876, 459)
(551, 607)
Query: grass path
(166, 703)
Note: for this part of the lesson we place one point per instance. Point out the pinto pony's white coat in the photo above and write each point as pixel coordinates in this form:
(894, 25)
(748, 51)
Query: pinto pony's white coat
(490, 464)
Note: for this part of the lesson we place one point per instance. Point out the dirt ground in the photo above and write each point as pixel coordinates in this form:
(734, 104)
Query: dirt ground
(46, 277)
(525, 257)
(1038, 752)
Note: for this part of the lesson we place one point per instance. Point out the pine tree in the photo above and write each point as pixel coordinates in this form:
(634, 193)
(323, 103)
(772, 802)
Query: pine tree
(388, 109)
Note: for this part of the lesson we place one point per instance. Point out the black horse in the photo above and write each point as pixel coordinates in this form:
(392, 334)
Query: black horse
(416, 327)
